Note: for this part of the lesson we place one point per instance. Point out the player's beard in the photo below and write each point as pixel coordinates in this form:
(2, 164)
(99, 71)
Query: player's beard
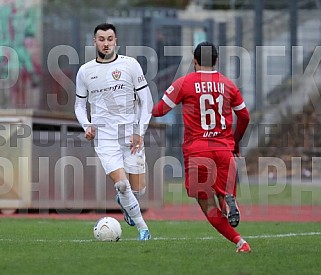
(105, 56)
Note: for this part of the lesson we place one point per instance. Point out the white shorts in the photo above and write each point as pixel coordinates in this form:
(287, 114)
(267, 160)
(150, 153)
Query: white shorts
(114, 156)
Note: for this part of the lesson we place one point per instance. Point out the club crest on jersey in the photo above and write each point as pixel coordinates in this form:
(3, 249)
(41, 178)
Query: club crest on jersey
(116, 74)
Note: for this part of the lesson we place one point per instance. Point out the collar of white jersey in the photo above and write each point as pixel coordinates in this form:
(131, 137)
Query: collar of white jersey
(207, 72)
(108, 61)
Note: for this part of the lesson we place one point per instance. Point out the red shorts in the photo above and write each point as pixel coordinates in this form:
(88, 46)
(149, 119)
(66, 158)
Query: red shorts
(209, 172)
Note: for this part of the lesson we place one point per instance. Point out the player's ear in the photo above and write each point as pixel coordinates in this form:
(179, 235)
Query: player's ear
(215, 62)
(195, 62)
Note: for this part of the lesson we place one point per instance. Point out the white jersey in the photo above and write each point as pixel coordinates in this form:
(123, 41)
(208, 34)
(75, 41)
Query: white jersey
(113, 91)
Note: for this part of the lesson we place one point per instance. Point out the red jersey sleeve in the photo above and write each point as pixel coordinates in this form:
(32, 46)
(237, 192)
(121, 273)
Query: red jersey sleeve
(243, 119)
(170, 99)
(241, 112)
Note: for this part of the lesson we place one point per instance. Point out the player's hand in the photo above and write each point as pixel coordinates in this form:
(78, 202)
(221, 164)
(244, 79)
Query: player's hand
(236, 151)
(136, 143)
(90, 133)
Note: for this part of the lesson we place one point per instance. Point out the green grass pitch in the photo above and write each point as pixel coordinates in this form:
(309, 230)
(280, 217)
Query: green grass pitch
(41, 246)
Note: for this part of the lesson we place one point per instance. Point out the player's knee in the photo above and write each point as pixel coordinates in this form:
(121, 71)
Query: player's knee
(138, 194)
(122, 185)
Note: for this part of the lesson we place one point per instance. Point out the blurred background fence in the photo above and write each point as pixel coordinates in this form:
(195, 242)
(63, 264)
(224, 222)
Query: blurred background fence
(271, 49)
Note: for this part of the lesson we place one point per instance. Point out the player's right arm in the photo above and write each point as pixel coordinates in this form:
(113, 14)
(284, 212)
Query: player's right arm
(170, 99)
(81, 105)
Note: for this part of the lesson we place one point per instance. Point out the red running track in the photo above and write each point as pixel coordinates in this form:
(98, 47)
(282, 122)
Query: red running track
(192, 212)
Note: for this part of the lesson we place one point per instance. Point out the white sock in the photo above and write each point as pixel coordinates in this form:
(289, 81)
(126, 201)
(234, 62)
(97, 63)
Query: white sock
(240, 243)
(130, 203)
(138, 194)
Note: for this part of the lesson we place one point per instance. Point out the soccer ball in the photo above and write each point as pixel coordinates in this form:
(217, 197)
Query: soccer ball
(107, 229)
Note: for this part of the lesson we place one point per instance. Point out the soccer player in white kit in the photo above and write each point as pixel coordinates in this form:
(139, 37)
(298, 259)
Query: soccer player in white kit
(120, 111)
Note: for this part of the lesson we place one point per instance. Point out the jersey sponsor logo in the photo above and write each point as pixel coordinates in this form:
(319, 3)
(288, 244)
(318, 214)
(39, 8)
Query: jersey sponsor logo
(94, 77)
(141, 79)
(109, 89)
(116, 74)
(210, 134)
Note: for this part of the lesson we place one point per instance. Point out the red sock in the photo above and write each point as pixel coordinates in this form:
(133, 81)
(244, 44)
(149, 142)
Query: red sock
(220, 223)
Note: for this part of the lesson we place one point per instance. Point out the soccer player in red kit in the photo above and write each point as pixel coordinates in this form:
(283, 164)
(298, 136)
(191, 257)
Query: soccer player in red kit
(208, 100)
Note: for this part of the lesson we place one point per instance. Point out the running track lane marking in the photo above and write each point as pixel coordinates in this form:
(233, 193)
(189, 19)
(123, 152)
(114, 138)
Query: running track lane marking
(171, 239)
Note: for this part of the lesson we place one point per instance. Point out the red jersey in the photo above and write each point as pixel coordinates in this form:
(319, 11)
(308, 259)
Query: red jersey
(208, 99)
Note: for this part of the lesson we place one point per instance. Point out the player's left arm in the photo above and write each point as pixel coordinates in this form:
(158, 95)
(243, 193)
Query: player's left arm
(243, 119)
(145, 109)
(143, 115)
(242, 116)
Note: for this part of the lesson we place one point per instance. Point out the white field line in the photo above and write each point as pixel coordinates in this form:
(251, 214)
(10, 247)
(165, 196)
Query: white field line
(270, 236)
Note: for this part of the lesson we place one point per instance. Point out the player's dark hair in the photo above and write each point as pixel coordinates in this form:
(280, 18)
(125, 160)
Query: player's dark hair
(105, 27)
(206, 54)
